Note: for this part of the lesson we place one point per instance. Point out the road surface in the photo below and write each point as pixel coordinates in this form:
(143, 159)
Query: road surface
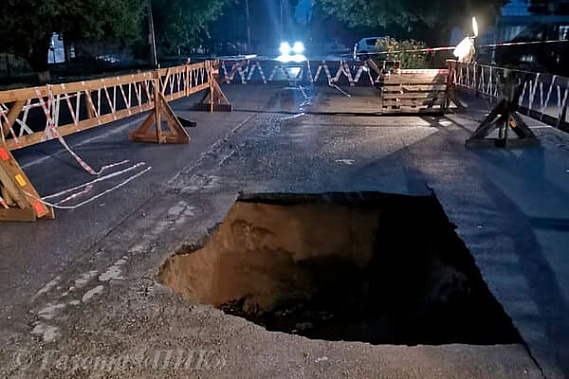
(82, 289)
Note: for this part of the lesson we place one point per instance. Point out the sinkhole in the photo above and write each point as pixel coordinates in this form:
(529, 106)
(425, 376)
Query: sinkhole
(370, 267)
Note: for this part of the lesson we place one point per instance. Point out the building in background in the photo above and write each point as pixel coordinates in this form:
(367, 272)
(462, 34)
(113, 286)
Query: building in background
(519, 17)
(530, 21)
(56, 53)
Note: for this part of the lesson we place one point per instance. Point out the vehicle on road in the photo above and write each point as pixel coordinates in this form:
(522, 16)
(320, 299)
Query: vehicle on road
(366, 46)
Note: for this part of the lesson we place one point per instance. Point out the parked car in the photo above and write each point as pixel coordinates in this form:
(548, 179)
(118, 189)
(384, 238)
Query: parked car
(366, 46)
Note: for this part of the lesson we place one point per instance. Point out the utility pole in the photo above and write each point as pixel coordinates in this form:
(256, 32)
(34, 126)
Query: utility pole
(151, 36)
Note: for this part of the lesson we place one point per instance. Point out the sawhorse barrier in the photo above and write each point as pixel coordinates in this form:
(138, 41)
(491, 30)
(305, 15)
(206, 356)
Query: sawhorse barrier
(401, 91)
(30, 116)
(503, 117)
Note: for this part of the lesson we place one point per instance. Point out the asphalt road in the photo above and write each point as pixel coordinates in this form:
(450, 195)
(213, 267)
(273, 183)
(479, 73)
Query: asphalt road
(84, 285)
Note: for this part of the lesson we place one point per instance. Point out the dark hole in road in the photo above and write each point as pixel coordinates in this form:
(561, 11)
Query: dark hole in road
(383, 269)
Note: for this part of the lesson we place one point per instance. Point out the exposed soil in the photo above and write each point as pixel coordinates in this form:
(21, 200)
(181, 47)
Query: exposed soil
(377, 268)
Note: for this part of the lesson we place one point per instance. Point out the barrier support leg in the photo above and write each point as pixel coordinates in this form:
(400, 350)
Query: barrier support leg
(19, 198)
(175, 133)
(503, 117)
(450, 94)
(214, 100)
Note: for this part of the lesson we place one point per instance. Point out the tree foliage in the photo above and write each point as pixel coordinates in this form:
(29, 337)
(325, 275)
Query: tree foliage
(434, 15)
(179, 22)
(408, 53)
(27, 25)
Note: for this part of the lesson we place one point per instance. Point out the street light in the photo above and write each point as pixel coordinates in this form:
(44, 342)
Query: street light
(465, 51)
(474, 27)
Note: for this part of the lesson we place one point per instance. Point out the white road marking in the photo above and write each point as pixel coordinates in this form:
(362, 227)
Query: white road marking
(348, 162)
(48, 287)
(198, 182)
(85, 278)
(176, 215)
(177, 209)
(49, 312)
(91, 293)
(47, 332)
(137, 249)
(114, 272)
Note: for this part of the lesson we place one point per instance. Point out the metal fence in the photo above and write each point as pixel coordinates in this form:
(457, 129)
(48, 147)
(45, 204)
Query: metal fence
(326, 72)
(543, 96)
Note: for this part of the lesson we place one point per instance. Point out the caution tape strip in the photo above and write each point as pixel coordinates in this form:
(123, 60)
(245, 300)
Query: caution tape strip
(3, 203)
(7, 121)
(52, 126)
(100, 179)
(70, 207)
(447, 48)
(76, 195)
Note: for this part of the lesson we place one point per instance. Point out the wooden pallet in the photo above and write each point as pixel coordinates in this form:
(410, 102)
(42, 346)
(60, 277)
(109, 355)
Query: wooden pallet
(414, 91)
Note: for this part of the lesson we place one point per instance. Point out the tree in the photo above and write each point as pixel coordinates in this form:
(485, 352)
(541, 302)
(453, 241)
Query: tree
(85, 20)
(179, 22)
(436, 17)
(28, 25)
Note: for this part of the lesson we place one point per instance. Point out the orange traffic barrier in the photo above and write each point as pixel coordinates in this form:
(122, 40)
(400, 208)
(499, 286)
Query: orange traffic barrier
(30, 116)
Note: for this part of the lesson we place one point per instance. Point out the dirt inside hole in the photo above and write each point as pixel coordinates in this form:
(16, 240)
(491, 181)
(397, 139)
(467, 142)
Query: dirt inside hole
(383, 269)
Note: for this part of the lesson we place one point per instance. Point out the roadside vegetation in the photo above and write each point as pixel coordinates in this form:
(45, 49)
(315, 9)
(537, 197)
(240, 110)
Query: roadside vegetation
(28, 26)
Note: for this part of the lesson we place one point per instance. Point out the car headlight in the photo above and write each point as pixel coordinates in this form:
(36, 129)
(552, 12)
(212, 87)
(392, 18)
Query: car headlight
(284, 48)
(298, 48)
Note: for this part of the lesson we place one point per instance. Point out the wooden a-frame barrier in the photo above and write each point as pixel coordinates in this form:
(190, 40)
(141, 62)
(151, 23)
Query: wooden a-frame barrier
(90, 104)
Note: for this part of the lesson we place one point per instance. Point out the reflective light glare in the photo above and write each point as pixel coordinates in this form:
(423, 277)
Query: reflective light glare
(298, 58)
(463, 48)
(284, 48)
(287, 58)
(298, 48)
(295, 71)
(474, 26)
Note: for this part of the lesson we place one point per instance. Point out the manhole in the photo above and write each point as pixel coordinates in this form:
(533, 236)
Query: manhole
(383, 269)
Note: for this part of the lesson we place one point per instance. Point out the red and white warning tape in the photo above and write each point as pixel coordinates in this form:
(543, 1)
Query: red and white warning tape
(86, 185)
(256, 66)
(3, 203)
(52, 127)
(76, 195)
(343, 69)
(322, 66)
(7, 121)
(447, 48)
(523, 43)
(98, 180)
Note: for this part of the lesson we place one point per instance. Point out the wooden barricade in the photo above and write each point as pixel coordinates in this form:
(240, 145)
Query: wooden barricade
(34, 115)
(414, 91)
